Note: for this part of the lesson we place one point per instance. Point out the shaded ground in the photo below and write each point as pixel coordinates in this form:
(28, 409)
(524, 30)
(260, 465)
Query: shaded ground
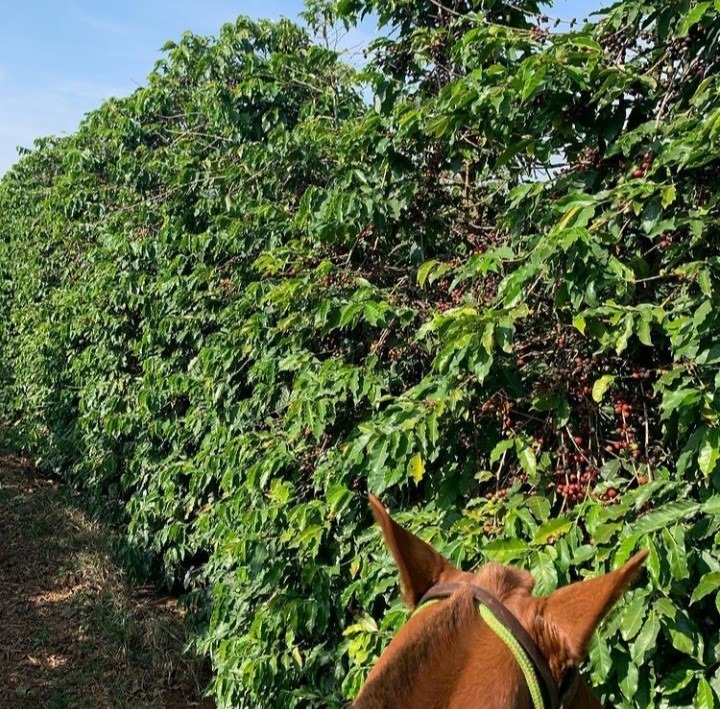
(72, 634)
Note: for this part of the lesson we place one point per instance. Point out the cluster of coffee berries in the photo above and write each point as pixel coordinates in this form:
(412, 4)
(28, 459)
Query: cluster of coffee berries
(665, 241)
(498, 406)
(629, 418)
(588, 159)
(539, 34)
(615, 42)
(610, 495)
(575, 474)
(339, 279)
(616, 426)
(642, 169)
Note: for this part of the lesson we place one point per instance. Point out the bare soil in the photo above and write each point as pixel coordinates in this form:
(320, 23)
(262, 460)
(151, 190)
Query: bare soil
(72, 632)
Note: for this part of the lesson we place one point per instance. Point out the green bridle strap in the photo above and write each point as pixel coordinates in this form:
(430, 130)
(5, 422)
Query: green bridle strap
(516, 649)
(518, 653)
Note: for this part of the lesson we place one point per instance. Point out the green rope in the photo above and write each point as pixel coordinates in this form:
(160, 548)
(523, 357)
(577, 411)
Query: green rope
(517, 652)
(512, 644)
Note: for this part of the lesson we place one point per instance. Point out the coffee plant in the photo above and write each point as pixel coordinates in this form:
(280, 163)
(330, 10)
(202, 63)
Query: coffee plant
(479, 277)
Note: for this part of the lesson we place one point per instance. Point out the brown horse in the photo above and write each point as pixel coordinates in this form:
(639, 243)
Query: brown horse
(481, 640)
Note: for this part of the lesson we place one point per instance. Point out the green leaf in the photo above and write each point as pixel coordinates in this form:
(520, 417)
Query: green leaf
(677, 556)
(506, 548)
(497, 452)
(552, 528)
(364, 624)
(668, 195)
(704, 697)
(431, 271)
(665, 608)
(677, 679)
(626, 548)
(377, 474)
(633, 617)
(600, 658)
(629, 679)
(587, 42)
(539, 506)
(584, 553)
(711, 506)
(374, 313)
(603, 533)
(526, 457)
(337, 496)
(424, 271)
(665, 515)
(545, 574)
(601, 386)
(709, 453)
(645, 640)
(532, 82)
(707, 584)
(417, 467)
(692, 18)
(684, 636)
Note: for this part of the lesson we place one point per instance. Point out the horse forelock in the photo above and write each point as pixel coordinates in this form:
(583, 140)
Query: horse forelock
(506, 583)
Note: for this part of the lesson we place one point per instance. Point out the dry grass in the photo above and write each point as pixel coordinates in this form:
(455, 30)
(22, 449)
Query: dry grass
(73, 634)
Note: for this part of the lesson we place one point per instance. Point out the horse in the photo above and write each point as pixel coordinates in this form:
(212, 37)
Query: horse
(481, 640)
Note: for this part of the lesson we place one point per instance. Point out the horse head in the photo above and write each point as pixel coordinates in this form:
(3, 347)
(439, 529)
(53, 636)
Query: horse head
(482, 640)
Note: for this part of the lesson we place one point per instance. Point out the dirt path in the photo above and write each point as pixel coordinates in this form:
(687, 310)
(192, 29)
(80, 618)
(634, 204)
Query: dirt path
(71, 632)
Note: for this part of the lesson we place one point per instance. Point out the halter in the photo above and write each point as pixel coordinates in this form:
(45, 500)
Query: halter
(544, 691)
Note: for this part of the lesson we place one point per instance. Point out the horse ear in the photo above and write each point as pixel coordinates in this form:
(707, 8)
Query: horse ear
(576, 610)
(419, 564)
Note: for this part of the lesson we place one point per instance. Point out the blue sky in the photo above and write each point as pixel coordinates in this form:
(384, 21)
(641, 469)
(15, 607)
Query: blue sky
(60, 59)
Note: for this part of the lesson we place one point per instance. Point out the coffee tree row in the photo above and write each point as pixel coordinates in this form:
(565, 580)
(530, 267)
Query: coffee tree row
(237, 300)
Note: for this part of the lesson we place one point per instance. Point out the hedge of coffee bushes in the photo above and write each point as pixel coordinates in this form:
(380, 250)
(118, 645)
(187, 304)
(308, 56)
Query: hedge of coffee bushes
(479, 277)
